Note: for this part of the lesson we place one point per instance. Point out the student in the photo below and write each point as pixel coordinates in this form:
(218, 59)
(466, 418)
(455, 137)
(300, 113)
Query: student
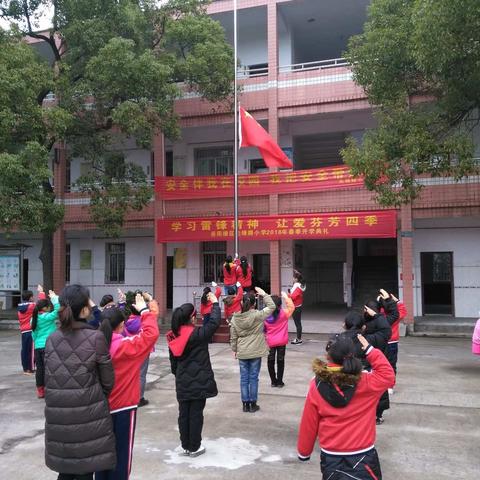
(44, 317)
(230, 274)
(247, 340)
(244, 274)
(380, 314)
(276, 332)
(392, 347)
(232, 303)
(296, 294)
(79, 376)
(128, 354)
(25, 312)
(194, 379)
(340, 410)
(205, 304)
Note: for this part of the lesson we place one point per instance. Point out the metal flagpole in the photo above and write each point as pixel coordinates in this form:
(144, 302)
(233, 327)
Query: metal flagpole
(236, 118)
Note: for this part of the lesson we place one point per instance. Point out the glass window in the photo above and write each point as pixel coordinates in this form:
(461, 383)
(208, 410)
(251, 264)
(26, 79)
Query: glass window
(213, 254)
(115, 263)
(214, 161)
(67, 262)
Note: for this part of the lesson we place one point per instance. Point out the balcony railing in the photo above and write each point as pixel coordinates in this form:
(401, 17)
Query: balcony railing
(318, 65)
(246, 72)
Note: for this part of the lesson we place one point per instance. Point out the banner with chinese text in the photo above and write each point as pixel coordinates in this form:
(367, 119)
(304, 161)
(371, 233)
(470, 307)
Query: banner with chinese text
(370, 224)
(177, 188)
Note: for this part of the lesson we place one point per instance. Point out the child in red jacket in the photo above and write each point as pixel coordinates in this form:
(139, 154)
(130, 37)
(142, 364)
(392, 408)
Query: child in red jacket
(232, 303)
(340, 410)
(128, 355)
(205, 304)
(25, 312)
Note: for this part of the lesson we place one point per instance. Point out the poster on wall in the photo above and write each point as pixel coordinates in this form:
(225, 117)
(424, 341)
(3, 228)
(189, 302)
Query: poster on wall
(9, 272)
(180, 258)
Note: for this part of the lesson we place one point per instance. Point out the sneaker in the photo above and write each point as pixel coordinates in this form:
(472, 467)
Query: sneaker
(143, 401)
(280, 384)
(41, 392)
(254, 407)
(390, 391)
(201, 450)
(184, 452)
(274, 384)
(296, 342)
(246, 406)
(28, 372)
(379, 420)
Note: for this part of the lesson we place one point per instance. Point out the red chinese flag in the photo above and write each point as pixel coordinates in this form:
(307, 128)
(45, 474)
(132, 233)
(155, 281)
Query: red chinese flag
(252, 134)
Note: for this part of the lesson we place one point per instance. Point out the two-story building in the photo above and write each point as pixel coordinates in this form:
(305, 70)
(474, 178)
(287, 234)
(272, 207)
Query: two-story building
(315, 218)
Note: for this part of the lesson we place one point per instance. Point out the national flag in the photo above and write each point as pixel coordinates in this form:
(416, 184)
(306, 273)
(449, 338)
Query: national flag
(252, 134)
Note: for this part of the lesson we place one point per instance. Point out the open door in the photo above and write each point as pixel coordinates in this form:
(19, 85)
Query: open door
(261, 271)
(437, 283)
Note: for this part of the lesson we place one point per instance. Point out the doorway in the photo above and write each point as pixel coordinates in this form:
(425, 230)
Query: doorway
(261, 271)
(437, 283)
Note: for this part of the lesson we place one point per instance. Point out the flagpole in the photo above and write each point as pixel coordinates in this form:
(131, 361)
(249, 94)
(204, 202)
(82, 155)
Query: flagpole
(235, 150)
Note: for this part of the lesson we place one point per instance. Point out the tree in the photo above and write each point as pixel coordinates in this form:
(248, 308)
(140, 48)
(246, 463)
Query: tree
(116, 69)
(417, 61)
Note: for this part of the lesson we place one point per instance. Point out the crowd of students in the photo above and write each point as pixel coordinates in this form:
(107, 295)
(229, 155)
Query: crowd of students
(92, 368)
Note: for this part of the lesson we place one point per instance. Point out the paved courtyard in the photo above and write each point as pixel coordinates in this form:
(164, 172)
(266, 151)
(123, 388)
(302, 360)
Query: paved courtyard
(432, 431)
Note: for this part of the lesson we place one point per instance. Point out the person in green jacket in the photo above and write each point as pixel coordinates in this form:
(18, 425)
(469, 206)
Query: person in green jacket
(43, 323)
(247, 340)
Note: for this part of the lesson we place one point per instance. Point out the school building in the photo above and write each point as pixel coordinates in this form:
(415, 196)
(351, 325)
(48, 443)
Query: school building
(316, 218)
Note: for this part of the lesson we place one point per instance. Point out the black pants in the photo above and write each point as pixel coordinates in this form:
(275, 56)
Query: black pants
(27, 352)
(362, 466)
(74, 476)
(190, 423)
(40, 361)
(392, 355)
(297, 318)
(279, 352)
(383, 404)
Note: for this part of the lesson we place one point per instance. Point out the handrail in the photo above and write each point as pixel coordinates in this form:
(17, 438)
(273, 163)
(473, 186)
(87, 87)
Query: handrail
(317, 65)
(74, 188)
(246, 72)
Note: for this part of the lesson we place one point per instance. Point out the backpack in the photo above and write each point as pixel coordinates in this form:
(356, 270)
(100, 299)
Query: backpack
(476, 339)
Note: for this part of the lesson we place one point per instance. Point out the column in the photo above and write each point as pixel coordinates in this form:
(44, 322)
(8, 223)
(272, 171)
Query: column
(273, 129)
(406, 233)
(160, 249)
(59, 237)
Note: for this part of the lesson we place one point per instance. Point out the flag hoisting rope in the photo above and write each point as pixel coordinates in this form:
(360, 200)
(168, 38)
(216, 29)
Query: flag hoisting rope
(236, 118)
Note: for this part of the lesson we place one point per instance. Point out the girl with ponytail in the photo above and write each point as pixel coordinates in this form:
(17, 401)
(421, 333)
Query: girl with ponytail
(276, 332)
(79, 377)
(230, 273)
(340, 409)
(43, 323)
(205, 304)
(128, 354)
(244, 274)
(190, 363)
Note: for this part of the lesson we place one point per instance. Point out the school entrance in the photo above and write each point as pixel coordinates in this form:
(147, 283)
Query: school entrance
(346, 272)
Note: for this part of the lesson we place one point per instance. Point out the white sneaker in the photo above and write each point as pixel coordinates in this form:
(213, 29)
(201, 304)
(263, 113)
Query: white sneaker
(390, 391)
(200, 451)
(182, 451)
(296, 342)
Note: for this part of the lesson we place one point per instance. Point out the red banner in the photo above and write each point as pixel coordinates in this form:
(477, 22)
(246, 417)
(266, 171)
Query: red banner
(371, 224)
(177, 188)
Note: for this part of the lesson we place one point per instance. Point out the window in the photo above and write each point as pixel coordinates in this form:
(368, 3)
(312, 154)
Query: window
(257, 165)
(214, 161)
(115, 263)
(169, 163)
(67, 262)
(214, 254)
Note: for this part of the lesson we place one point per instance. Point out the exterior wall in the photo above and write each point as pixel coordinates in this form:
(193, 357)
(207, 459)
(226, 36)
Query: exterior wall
(460, 236)
(138, 263)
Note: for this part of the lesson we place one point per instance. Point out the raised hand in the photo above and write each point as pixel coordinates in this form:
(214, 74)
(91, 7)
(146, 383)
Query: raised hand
(212, 298)
(384, 294)
(139, 303)
(363, 341)
(260, 291)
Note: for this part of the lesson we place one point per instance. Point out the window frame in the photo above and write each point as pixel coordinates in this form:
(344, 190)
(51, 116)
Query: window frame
(219, 254)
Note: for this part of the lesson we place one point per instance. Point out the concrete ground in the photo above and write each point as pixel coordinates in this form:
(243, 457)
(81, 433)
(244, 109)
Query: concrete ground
(432, 431)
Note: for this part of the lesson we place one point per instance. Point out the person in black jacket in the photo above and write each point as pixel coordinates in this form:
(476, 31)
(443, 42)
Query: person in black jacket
(380, 315)
(194, 379)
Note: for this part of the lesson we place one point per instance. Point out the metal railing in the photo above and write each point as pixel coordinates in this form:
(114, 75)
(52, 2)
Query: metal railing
(246, 72)
(318, 65)
(73, 188)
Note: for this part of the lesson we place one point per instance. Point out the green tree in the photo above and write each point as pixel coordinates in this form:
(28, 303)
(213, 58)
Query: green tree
(115, 67)
(418, 61)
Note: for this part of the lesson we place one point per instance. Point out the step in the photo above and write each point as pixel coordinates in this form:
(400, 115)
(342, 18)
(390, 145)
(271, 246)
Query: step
(444, 327)
(9, 324)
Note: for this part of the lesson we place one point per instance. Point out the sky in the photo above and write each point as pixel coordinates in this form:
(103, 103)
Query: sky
(42, 23)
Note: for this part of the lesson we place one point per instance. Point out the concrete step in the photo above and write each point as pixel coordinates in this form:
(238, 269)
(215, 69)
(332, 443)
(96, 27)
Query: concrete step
(447, 326)
(9, 324)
